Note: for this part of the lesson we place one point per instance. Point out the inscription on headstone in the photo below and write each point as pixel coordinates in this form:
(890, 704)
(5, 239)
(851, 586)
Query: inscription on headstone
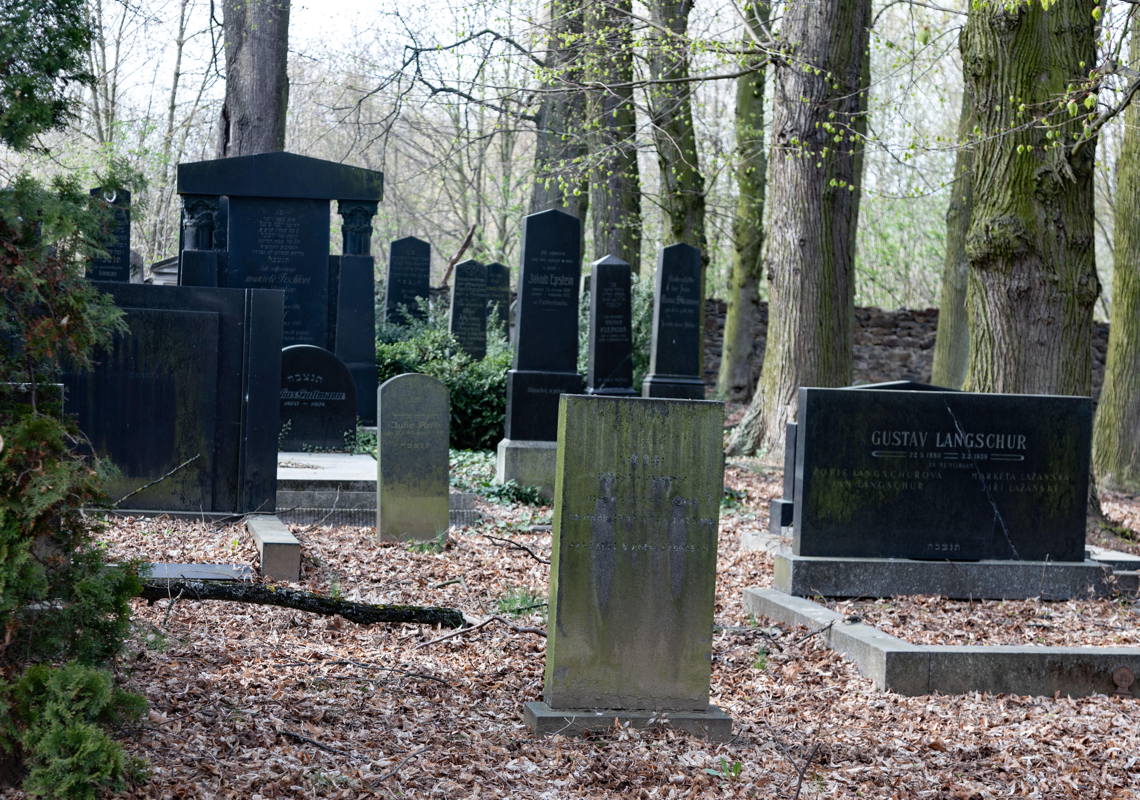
(634, 567)
(611, 333)
(318, 400)
(115, 238)
(499, 295)
(675, 355)
(411, 458)
(941, 475)
(409, 270)
(467, 317)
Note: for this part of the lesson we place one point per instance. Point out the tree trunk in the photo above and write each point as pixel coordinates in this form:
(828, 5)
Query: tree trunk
(257, 82)
(742, 318)
(1032, 281)
(1116, 445)
(560, 147)
(615, 185)
(952, 342)
(818, 122)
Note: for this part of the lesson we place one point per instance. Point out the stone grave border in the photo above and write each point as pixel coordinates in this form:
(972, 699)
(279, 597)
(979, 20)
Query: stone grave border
(908, 669)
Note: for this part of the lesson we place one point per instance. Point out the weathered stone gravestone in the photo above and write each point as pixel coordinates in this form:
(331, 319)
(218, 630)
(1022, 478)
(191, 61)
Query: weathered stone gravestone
(467, 315)
(675, 354)
(186, 403)
(262, 222)
(546, 348)
(499, 295)
(318, 401)
(633, 573)
(411, 458)
(116, 238)
(985, 494)
(409, 273)
(611, 329)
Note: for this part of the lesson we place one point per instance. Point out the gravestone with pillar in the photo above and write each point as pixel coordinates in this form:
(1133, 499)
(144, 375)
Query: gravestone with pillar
(263, 222)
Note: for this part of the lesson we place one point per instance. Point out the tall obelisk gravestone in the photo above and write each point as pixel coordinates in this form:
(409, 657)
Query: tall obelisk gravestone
(675, 357)
(611, 331)
(633, 572)
(546, 348)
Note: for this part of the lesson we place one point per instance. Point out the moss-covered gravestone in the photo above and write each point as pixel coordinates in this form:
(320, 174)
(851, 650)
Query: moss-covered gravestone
(411, 458)
(633, 577)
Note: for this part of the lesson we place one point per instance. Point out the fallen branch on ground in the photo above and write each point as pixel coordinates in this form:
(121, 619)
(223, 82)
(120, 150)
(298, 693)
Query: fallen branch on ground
(484, 623)
(360, 613)
(515, 545)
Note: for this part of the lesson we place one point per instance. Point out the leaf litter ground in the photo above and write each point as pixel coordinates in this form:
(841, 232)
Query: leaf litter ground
(255, 702)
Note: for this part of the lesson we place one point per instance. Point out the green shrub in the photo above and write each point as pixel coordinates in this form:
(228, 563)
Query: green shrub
(474, 471)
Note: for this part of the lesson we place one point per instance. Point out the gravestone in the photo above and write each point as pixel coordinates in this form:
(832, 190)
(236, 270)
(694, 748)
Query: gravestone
(499, 295)
(545, 348)
(186, 402)
(633, 572)
(262, 221)
(611, 331)
(411, 458)
(115, 238)
(467, 315)
(675, 354)
(409, 272)
(318, 401)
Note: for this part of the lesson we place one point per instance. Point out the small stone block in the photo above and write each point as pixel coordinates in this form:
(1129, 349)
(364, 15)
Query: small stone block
(279, 549)
(527, 463)
(196, 572)
(779, 515)
(543, 720)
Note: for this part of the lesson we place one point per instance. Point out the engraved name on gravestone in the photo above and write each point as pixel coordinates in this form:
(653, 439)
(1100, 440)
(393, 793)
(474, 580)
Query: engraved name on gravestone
(318, 400)
(611, 334)
(411, 458)
(499, 294)
(115, 237)
(675, 353)
(941, 475)
(633, 574)
(467, 316)
(409, 270)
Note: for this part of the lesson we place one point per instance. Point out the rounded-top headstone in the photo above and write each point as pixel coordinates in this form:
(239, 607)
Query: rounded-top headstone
(318, 400)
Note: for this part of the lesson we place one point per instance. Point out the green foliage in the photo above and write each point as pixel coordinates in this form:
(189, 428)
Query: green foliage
(520, 600)
(474, 471)
(477, 389)
(43, 46)
(726, 770)
(436, 545)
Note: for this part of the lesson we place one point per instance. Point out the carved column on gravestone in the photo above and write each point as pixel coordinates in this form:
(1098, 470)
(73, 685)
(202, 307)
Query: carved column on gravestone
(199, 219)
(356, 226)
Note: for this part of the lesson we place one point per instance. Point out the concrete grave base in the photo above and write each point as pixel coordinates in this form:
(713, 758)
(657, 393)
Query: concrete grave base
(528, 463)
(898, 666)
(543, 720)
(808, 576)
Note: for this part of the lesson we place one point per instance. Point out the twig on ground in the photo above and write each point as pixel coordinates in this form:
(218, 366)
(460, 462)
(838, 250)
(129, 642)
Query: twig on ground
(365, 665)
(516, 545)
(483, 624)
(816, 632)
(397, 768)
(297, 737)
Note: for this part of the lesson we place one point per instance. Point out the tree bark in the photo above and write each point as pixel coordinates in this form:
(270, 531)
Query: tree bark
(1032, 281)
(615, 183)
(818, 122)
(952, 341)
(360, 613)
(1116, 445)
(742, 317)
(257, 81)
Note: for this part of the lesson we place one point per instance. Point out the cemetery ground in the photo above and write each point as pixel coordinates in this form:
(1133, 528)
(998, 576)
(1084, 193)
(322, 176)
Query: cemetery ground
(250, 701)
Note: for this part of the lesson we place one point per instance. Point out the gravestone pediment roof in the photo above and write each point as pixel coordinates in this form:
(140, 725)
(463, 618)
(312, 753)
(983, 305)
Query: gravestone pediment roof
(285, 175)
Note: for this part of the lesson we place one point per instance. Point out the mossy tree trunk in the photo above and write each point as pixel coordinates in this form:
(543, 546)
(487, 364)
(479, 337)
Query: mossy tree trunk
(615, 183)
(560, 145)
(1032, 281)
(742, 318)
(952, 342)
(818, 123)
(1116, 436)
(257, 81)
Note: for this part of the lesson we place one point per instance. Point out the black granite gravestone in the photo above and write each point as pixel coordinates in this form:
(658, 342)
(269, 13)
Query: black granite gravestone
(355, 328)
(115, 239)
(941, 475)
(546, 344)
(187, 400)
(467, 316)
(675, 356)
(318, 401)
(611, 333)
(409, 270)
(499, 294)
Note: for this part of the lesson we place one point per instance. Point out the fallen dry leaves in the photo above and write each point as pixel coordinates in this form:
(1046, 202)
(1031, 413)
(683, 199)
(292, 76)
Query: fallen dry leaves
(254, 702)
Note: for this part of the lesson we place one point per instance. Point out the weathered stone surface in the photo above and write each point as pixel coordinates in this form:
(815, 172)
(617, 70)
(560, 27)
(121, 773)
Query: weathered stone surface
(318, 400)
(527, 463)
(409, 272)
(611, 329)
(115, 239)
(637, 501)
(280, 550)
(712, 724)
(499, 294)
(467, 315)
(675, 354)
(411, 458)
